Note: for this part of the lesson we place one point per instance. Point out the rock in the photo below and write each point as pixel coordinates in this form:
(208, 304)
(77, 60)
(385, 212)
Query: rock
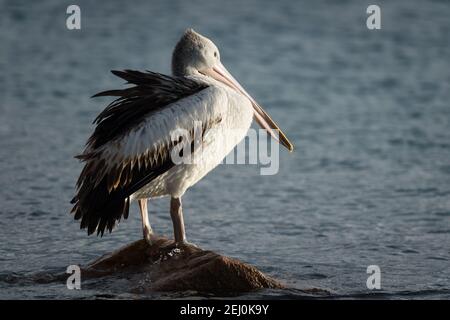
(165, 268)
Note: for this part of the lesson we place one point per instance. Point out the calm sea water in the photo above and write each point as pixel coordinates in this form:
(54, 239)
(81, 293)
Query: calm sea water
(369, 112)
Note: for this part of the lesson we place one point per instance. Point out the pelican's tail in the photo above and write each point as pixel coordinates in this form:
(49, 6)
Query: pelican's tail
(99, 209)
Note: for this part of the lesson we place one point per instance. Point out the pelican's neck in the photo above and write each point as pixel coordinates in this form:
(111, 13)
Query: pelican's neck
(184, 71)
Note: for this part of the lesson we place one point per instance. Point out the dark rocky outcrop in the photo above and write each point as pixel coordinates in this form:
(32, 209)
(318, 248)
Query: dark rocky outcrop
(165, 268)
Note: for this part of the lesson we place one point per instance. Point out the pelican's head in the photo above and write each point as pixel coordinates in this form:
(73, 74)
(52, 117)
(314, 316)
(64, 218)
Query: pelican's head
(195, 54)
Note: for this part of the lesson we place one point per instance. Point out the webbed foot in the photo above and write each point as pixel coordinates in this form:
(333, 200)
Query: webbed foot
(149, 236)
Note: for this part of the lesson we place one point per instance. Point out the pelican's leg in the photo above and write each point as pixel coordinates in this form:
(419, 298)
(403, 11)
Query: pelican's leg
(176, 213)
(146, 227)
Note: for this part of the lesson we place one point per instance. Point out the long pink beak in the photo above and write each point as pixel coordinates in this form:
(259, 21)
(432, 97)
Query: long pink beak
(220, 73)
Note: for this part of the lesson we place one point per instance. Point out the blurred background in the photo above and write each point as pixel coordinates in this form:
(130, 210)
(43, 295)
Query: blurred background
(368, 111)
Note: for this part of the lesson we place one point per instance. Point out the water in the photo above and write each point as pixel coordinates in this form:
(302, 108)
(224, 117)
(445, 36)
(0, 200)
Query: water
(369, 182)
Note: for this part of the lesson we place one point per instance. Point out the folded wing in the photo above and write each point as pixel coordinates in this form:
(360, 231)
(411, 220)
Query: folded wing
(133, 140)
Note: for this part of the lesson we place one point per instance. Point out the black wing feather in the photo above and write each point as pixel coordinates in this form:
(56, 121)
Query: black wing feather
(151, 92)
(97, 205)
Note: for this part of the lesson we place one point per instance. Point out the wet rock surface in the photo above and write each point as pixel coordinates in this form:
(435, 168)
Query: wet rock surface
(162, 267)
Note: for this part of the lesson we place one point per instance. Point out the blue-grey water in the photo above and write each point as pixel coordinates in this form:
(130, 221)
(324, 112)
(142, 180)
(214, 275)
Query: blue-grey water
(368, 111)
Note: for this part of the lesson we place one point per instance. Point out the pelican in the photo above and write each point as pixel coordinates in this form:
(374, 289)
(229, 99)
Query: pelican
(129, 156)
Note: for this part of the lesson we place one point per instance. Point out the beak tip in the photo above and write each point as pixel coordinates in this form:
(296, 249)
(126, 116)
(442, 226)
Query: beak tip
(288, 145)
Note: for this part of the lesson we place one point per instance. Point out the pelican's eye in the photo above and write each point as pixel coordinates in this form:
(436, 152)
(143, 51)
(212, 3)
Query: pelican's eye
(215, 54)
